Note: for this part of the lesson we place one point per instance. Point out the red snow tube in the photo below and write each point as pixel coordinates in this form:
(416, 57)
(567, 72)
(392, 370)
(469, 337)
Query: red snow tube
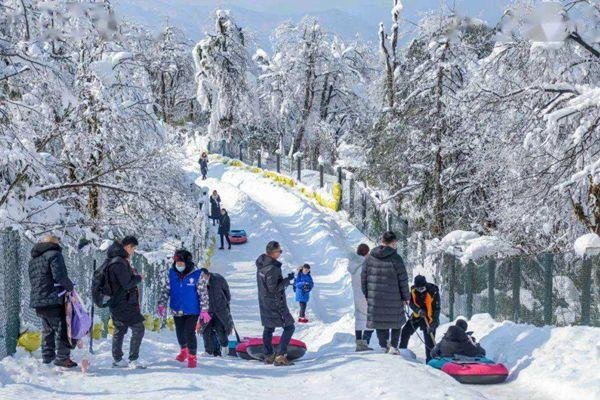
(238, 236)
(252, 348)
(476, 373)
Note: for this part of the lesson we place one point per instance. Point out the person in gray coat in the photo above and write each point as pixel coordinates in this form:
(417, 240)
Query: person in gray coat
(274, 311)
(384, 282)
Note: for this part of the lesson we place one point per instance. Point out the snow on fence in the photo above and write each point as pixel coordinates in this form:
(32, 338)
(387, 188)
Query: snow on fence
(546, 289)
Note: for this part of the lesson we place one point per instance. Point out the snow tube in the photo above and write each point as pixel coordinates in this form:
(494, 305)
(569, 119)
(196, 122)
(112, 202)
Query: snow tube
(476, 372)
(438, 363)
(238, 236)
(252, 348)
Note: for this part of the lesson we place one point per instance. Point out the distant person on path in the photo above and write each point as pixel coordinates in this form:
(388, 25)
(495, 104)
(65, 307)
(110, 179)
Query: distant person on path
(49, 284)
(457, 341)
(363, 335)
(221, 323)
(273, 306)
(124, 306)
(303, 284)
(384, 283)
(203, 161)
(425, 306)
(215, 207)
(224, 228)
(187, 295)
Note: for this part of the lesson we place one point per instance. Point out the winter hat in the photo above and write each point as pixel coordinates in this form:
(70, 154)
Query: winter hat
(461, 323)
(420, 281)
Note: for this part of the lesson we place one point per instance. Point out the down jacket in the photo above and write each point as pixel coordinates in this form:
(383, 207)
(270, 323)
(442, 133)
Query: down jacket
(274, 311)
(48, 276)
(457, 342)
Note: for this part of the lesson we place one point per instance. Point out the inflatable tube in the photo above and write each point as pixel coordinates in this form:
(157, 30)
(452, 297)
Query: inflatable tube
(253, 347)
(238, 236)
(476, 373)
(438, 363)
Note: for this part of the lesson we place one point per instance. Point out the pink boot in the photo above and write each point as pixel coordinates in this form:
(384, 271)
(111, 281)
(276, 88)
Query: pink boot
(192, 361)
(183, 355)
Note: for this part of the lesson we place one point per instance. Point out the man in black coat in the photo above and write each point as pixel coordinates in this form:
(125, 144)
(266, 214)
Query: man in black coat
(457, 341)
(384, 283)
(273, 306)
(221, 323)
(49, 284)
(425, 306)
(125, 303)
(215, 207)
(224, 228)
(203, 161)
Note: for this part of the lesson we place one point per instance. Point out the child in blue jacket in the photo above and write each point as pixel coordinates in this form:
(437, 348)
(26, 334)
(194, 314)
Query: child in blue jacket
(303, 284)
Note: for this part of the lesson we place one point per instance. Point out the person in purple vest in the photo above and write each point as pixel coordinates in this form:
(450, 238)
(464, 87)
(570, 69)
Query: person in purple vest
(187, 295)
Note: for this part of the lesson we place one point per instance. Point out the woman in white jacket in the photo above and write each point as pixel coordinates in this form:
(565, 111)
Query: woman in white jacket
(363, 335)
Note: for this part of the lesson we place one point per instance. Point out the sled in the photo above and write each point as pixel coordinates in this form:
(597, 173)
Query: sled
(238, 236)
(252, 348)
(472, 370)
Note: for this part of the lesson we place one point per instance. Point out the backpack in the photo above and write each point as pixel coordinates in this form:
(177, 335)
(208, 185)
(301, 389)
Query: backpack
(101, 291)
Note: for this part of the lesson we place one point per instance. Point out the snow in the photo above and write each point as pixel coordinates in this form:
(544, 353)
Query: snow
(588, 244)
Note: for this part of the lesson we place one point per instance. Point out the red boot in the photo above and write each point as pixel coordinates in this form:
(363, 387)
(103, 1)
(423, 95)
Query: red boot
(183, 355)
(192, 361)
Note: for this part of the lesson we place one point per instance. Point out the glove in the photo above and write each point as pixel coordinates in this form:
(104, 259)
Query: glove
(205, 317)
(290, 276)
(161, 310)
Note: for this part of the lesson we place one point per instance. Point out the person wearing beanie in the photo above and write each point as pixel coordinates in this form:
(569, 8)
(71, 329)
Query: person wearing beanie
(425, 306)
(186, 293)
(362, 334)
(457, 341)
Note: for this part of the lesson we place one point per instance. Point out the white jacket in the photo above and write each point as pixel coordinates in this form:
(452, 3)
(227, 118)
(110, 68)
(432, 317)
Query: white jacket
(360, 303)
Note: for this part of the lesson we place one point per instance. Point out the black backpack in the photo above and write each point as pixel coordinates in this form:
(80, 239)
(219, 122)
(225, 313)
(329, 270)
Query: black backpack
(101, 291)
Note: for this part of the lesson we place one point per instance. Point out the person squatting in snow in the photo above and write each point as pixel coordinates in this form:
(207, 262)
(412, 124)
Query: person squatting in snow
(458, 341)
(363, 335)
(303, 284)
(187, 295)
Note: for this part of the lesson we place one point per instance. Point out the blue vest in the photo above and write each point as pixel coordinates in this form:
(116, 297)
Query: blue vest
(184, 293)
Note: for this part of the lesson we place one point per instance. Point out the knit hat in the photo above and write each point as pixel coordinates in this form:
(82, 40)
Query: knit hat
(461, 323)
(420, 281)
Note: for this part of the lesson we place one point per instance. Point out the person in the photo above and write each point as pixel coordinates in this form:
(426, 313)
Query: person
(215, 207)
(272, 303)
(224, 228)
(384, 282)
(49, 284)
(124, 306)
(362, 334)
(220, 325)
(457, 341)
(303, 284)
(188, 300)
(425, 306)
(203, 161)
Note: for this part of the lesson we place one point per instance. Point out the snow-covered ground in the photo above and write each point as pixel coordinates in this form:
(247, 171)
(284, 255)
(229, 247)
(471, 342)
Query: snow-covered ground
(545, 363)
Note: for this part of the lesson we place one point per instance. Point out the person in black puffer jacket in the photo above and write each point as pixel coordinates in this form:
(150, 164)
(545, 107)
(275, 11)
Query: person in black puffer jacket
(49, 283)
(384, 283)
(456, 341)
(221, 323)
(224, 228)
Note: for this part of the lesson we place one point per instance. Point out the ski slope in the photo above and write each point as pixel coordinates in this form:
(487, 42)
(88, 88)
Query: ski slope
(330, 369)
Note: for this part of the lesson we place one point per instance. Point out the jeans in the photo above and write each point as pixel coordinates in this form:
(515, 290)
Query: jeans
(411, 327)
(137, 334)
(383, 335)
(364, 335)
(286, 336)
(302, 309)
(215, 330)
(226, 235)
(185, 328)
(55, 340)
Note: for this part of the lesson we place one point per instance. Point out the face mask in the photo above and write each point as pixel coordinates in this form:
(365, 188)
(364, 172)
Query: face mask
(180, 269)
(421, 289)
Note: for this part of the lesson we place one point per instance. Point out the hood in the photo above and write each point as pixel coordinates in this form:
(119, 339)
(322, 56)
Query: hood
(116, 250)
(41, 248)
(264, 261)
(456, 334)
(382, 252)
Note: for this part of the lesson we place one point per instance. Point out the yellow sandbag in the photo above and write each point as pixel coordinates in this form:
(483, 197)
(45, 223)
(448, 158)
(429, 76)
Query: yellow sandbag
(97, 330)
(30, 341)
(148, 322)
(170, 323)
(156, 325)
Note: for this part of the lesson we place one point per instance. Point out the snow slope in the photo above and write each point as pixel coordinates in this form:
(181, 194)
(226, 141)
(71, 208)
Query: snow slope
(330, 370)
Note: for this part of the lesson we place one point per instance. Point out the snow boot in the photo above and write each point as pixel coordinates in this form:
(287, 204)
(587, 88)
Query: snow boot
(224, 351)
(183, 355)
(269, 359)
(120, 364)
(361, 345)
(393, 350)
(68, 363)
(282, 361)
(137, 364)
(192, 361)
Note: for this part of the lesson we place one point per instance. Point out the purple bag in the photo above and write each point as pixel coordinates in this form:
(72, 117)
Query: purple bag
(79, 321)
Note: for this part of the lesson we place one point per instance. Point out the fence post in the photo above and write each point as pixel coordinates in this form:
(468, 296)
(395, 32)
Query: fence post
(223, 143)
(469, 288)
(491, 265)
(548, 262)
(299, 174)
(516, 289)
(586, 289)
(258, 158)
(450, 261)
(241, 153)
(388, 220)
(321, 175)
(351, 197)
(363, 216)
(11, 290)
(340, 180)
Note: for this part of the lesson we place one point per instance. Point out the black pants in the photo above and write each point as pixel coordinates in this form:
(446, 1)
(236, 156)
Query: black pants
(286, 336)
(203, 171)
(137, 334)
(214, 336)
(55, 340)
(364, 335)
(226, 235)
(215, 219)
(302, 309)
(185, 328)
(411, 327)
(383, 335)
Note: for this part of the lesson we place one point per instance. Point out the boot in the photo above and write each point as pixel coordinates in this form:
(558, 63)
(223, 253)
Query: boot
(183, 355)
(68, 363)
(269, 359)
(392, 350)
(361, 345)
(224, 351)
(192, 361)
(282, 361)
